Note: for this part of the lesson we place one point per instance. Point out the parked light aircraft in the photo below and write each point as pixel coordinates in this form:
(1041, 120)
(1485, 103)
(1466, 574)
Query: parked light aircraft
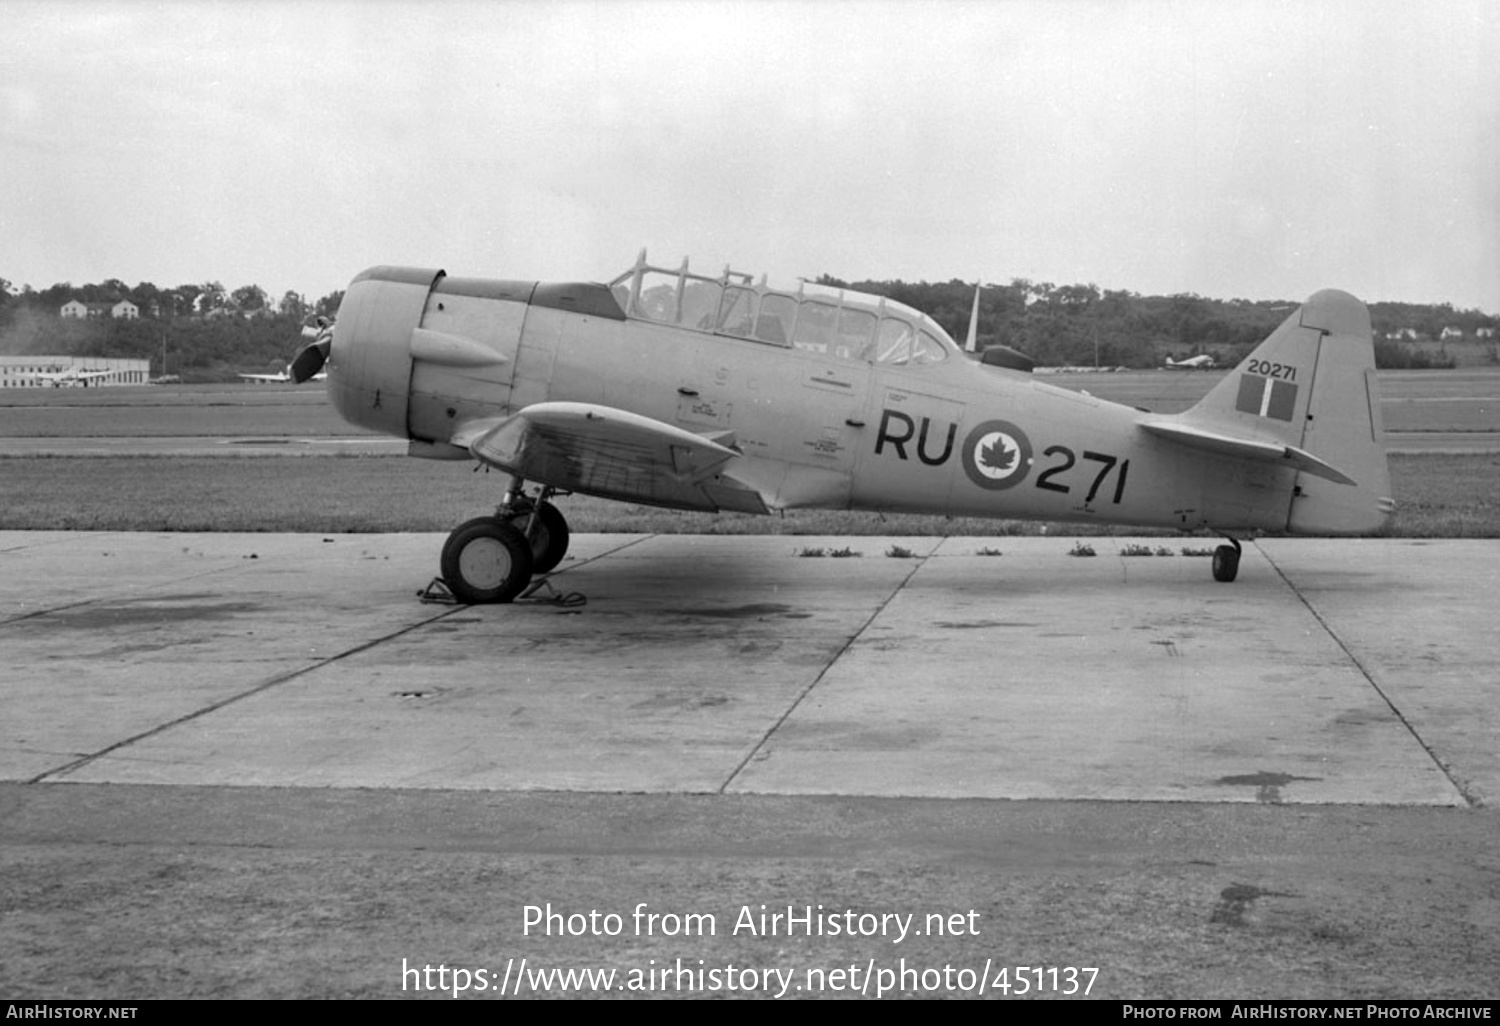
(284, 375)
(671, 388)
(73, 377)
(1202, 361)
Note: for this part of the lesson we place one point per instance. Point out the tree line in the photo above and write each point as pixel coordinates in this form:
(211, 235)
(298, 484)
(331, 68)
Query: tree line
(207, 331)
(201, 332)
(1084, 325)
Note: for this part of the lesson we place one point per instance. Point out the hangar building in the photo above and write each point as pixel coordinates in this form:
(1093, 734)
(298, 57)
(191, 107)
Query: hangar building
(63, 371)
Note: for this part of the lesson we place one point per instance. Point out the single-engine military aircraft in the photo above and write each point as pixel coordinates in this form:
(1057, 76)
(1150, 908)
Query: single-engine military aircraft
(672, 388)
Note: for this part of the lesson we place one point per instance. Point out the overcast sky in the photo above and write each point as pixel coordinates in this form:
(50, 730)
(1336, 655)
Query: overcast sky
(1257, 149)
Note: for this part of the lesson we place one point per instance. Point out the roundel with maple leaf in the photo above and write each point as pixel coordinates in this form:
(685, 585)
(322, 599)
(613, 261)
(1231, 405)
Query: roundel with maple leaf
(997, 455)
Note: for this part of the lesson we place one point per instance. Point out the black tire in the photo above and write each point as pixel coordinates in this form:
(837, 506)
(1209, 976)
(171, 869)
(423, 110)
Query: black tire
(486, 560)
(548, 536)
(1226, 563)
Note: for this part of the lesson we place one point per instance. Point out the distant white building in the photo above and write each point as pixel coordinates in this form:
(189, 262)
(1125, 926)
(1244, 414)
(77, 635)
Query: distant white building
(123, 310)
(1451, 333)
(1485, 332)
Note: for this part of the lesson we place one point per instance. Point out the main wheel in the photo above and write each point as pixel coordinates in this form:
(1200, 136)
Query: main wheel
(548, 535)
(486, 560)
(1226, 563)
(457, 531)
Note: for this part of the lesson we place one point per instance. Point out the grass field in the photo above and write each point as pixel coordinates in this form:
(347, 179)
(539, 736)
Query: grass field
(1438, 496)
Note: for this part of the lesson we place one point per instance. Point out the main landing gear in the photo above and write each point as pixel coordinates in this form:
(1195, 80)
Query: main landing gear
(1227, 561)
(492, 559)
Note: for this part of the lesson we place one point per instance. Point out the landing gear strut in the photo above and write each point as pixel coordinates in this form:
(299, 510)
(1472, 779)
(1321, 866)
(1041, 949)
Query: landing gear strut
(492, 559)
(1227, 561)
(542, 524)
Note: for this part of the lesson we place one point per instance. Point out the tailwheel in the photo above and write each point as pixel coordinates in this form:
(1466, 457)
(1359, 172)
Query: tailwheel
(486, 560)
(1227, 561)
(544, 528)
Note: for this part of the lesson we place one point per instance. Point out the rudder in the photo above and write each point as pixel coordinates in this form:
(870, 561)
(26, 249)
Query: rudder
(1343, 424)
(1311, 385)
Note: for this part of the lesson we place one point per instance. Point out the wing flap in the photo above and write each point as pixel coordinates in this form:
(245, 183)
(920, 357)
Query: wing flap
(1245, 448)
(600, 450)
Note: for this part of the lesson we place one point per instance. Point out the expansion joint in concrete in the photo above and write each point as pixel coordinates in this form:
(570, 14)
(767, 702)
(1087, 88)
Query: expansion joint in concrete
(818, 678)
(266, 685)
(1469, 797)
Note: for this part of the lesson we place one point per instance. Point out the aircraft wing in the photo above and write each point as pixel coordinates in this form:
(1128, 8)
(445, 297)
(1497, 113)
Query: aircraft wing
(600, 450)
(71, 377)
(1245, 448)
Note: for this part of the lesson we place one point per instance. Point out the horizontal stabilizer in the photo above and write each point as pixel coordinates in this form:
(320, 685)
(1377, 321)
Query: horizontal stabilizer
(1247, 448)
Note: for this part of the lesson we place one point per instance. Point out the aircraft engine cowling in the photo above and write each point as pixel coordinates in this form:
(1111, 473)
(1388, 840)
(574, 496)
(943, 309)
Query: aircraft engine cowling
(369, 363)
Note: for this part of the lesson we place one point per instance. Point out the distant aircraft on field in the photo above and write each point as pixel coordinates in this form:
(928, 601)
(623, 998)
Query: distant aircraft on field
(285, 375)
(1200, 362)
(994, 354)
(698, 392)
(73, 377)
(970, 343)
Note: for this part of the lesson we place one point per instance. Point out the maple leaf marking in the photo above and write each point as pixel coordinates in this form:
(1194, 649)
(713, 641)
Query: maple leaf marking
(997, 456)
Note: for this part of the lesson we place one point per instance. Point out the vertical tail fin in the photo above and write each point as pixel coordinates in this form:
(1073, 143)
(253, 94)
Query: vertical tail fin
(1311, 385)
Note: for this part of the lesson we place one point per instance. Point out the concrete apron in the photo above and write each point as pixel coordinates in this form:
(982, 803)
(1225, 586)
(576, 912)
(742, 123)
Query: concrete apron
(1331, 671)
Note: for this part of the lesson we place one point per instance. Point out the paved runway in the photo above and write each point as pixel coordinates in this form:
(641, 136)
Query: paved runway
(279, 693)
(247, 446)
(1357, 671)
